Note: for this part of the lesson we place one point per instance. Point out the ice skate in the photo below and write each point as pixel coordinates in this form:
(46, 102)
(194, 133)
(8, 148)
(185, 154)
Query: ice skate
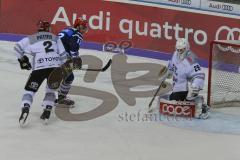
(205, 112)
(64, 101)
(24, 114)
(46, 114)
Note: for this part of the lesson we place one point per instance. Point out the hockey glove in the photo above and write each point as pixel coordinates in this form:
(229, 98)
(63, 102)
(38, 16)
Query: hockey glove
(24, 63)
(77, 63)
(72, 64)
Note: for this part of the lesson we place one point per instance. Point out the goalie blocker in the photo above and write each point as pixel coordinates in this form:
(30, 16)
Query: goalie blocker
(189, 109)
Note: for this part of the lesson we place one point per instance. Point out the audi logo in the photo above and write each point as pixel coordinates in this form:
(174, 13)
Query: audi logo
(227, 33)
(227, 7)
(115, 47)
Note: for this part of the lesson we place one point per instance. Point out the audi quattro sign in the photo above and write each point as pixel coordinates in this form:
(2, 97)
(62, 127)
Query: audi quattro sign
(155, 29)
(177, 108)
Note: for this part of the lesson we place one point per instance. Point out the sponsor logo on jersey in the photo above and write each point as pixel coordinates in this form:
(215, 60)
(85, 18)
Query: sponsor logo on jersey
(40, 60)
(48, 59)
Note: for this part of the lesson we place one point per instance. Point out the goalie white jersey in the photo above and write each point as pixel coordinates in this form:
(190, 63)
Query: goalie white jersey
(186, 70)
(47, 50)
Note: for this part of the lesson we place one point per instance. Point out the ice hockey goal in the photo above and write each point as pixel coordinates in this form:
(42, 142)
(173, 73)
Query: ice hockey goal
(224, 74)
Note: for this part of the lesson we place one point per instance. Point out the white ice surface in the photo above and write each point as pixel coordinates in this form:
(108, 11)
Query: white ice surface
(108, 137)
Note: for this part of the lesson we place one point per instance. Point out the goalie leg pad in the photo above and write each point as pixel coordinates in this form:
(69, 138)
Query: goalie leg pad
(202, 109)
(177, 108)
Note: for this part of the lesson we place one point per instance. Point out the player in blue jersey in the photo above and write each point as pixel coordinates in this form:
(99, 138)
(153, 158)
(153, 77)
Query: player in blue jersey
(71, 38)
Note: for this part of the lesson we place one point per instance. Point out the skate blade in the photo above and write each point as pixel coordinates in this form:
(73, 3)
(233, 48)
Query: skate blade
(45, 121)
(22, 121)
(64, 106)
(152, 109)
(204, 116)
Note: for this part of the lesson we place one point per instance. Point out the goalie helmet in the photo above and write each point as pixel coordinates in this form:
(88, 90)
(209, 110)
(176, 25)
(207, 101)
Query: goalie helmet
(44, 26)
(182, 46)
(81, 25)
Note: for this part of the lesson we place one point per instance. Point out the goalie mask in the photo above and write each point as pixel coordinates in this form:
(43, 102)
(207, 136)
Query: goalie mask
(81, 25)
(44, 26)
(182, 46)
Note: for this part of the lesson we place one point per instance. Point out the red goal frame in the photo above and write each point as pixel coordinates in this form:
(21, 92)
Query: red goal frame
(221, 42)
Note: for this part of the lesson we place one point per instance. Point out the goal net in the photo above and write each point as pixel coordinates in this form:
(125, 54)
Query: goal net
(224, 74)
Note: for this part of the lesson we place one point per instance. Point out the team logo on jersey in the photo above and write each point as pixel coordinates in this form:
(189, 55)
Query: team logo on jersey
(33, 85)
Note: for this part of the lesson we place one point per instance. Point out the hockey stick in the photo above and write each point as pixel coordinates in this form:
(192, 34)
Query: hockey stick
(100, 69)
(161, 73)
(58, 74)
(154, 96)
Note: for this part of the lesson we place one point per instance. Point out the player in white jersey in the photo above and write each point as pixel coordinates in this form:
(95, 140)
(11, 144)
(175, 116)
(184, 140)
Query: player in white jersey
(185, 68)
(47, 54)
(187, 74)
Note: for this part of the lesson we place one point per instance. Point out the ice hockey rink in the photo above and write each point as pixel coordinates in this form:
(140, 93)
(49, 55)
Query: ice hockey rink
(108, 137)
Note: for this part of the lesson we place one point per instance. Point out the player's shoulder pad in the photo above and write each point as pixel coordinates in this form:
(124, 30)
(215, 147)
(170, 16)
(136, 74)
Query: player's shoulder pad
(68, 31)
(191, 57)
(25, 40)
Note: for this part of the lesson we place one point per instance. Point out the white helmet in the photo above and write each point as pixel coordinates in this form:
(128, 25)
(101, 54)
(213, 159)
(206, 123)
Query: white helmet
(182, 46)
(182, 43)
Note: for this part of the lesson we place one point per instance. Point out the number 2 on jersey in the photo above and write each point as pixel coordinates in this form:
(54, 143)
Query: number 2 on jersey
(48, 45)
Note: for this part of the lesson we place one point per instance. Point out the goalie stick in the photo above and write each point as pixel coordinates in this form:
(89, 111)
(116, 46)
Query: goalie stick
(161, 73)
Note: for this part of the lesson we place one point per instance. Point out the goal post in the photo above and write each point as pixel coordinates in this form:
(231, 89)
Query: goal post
(224, 74)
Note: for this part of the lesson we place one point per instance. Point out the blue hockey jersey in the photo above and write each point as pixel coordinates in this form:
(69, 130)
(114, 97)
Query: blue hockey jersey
(71, 39)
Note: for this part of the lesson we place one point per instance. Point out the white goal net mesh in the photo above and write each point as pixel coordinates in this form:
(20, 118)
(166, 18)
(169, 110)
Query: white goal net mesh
(224, 74)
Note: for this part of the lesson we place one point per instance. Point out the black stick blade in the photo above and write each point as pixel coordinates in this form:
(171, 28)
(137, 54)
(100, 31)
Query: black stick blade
(107, 65)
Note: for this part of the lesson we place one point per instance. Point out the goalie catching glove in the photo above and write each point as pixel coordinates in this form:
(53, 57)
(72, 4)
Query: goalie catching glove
(24, 63)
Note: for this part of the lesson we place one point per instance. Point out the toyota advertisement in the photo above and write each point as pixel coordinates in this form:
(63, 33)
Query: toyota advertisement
(148, 28)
